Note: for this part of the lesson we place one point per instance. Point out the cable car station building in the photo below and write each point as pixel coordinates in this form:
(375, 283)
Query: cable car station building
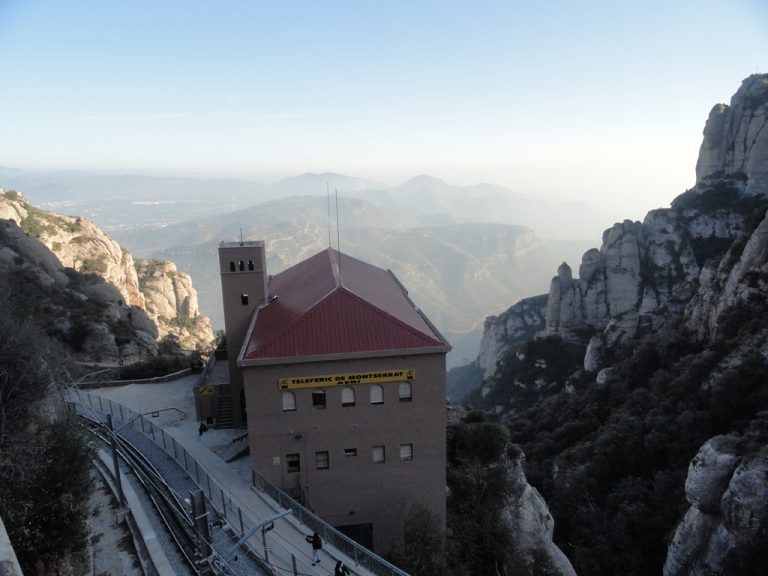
(343, 383)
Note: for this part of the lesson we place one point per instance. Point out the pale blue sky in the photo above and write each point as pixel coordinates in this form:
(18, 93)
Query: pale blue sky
(599, 100)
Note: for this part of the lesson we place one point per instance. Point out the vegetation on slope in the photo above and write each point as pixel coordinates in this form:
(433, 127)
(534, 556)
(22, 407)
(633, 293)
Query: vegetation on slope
(44, 460)
(611, 460)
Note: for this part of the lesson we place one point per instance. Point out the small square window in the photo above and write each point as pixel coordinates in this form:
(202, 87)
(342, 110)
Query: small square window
(321, 460)
(244, 299)
(293, 462)
(406, 452)
(378, 454)
(350, 452)
(318, 399)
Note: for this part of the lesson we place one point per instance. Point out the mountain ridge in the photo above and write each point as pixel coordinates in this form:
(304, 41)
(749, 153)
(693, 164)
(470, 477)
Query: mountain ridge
(646, 361)
(157, 300)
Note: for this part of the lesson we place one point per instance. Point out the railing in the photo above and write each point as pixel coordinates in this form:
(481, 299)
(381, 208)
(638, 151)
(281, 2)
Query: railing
(361, 555)
(239, 519)
(155, 380)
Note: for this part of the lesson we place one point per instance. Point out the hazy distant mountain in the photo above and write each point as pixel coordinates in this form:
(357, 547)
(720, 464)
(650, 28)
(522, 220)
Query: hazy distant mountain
(294, 214)
(134, 202)
(463, 251)
(457, 273)
(314, 184)
(127, 201)
(432, 198)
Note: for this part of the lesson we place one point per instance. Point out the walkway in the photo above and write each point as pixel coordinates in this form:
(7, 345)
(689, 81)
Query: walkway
(226, 486)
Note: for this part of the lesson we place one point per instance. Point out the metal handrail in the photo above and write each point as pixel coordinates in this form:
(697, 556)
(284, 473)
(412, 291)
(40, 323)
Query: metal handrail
(225, 505)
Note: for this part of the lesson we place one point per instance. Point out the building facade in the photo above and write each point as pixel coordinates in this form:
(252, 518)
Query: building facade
(343, 380)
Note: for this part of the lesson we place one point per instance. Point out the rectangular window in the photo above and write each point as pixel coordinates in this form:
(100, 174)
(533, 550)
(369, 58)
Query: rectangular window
(405, 392)
(293, 462)
(321, 460)
(406, 452)
(244, 299)
(350, 452)
(318, 399)
(378, 454)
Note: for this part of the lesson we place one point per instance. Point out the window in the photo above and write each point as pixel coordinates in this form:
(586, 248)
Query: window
(318, 398)
(406, 452)
(241, 266)
(321, 460)
(232, 266)
(289, 401)
(293, 462)
(347, 396)
(350, 452)
(250, 265)
(377, 394)
(244, 299)
(405, 392)
(378, 454)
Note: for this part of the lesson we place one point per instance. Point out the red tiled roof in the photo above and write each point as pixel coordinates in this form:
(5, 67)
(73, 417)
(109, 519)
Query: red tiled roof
(321, 308)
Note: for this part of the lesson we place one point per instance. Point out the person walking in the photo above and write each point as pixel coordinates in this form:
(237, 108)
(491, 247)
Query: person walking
(317, 545)
(340, 569)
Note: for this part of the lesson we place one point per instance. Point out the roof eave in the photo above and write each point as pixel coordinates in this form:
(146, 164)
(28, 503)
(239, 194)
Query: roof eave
(244, 363)
(247, 339)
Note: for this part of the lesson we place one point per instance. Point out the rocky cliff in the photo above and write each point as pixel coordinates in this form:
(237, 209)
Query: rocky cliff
(671, 315)
(87, 315)
(647, 272)
(728, 517)
(152, 289)
(527, 516)
(503, 332)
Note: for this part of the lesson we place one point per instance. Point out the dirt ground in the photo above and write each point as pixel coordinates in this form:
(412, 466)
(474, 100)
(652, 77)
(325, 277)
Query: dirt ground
(111, 549)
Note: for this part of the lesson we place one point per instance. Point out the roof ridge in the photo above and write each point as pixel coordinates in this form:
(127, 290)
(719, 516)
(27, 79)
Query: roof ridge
(335, 262)
(317, 305)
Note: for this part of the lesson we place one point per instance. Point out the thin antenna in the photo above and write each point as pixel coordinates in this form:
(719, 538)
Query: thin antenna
(241, 236)
(338, 236)
(328, 193)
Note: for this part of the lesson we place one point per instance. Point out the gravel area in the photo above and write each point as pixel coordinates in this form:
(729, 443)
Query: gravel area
(176, 559)
(111, 549)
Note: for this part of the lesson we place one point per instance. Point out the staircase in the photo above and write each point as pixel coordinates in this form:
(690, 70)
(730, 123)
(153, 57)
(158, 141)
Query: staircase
(225, 416)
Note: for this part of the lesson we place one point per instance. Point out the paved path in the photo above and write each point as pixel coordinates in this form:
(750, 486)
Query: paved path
(287, 541)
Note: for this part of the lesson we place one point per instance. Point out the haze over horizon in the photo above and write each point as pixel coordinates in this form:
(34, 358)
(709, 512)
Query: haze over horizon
(589, 101)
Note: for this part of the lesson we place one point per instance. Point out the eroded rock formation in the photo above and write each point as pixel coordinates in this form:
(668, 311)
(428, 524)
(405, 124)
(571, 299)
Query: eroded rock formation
(519, 323)
(532, 526)
(151, 295)
(645, 273)
(728, 494)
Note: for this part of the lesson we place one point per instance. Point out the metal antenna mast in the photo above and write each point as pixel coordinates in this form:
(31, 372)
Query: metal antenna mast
(328, 194)
(338, 235)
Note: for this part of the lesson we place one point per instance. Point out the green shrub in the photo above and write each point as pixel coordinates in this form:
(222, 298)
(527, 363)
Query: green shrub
(97, 265)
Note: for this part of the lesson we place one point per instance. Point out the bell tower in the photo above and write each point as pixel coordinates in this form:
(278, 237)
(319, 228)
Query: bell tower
(243, 270)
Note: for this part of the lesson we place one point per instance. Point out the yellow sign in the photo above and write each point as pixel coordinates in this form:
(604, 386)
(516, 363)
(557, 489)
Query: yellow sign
(346, 379)
(206, 390)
